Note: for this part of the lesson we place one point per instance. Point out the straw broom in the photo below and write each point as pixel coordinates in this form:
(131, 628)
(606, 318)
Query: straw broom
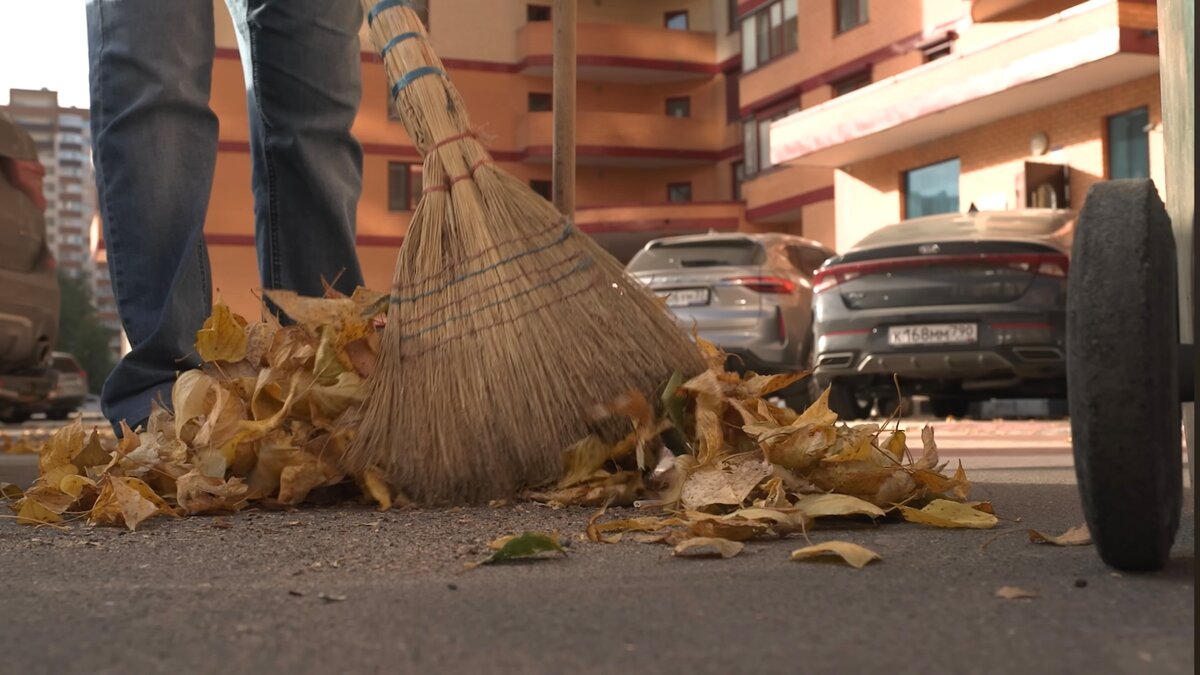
(506, 324)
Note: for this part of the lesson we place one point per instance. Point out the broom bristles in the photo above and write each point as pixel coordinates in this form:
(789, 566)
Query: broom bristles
(506, 324)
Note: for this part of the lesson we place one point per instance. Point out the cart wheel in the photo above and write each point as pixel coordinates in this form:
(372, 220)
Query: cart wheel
(1122, 380)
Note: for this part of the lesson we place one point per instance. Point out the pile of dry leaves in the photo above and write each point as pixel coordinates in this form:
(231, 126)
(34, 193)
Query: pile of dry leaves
(266, 420)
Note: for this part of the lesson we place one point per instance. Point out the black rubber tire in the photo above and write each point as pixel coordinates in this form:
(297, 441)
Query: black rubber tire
(844, 401)
(58, 415)
(14, 417)
(949, 406)
(1122, 381)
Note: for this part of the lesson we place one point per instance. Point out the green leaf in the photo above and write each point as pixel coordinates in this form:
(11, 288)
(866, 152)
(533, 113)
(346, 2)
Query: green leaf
(674, 405)
(524, 545)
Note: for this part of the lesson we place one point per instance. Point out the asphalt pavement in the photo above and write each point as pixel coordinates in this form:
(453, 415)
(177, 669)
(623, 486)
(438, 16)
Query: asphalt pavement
(351, 590)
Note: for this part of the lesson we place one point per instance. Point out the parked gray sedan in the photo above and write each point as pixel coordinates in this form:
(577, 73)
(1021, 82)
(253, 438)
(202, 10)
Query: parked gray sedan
(750, 294)
(961, 307)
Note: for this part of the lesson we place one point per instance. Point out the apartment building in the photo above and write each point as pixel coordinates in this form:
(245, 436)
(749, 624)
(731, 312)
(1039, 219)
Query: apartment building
(915, 108)
(64, 140)
(658, 135)
(64, 145)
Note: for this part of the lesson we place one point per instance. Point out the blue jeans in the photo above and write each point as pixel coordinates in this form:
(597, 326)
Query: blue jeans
(155, 148)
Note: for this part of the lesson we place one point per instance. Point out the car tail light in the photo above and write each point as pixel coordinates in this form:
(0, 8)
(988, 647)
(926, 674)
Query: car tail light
(1045, 264)
(761, 284)
(26, 175)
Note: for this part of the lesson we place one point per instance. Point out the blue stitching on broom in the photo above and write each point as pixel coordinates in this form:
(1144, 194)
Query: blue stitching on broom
(395, 41)
(568, 230)
(581, 266)
(385, 5)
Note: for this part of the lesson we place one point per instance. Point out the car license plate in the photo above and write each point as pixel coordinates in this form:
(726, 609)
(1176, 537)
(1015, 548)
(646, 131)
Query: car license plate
(934, 334)
(686, 297)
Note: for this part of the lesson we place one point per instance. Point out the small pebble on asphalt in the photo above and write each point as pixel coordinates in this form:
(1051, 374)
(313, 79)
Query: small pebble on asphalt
(453, 587)
(1081, 583)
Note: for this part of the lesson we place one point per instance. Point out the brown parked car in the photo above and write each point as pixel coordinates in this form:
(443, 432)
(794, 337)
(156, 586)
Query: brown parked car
(29, 293)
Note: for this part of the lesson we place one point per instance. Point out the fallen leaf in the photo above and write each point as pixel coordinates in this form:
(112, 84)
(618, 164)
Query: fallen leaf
(197, 493)
(852, 554)
(945, 513)
(728, 484)
(223, 336)
(377, 487)
(818, 506)
(582, 460)
(1015, 593)
(525, 545)
(1076, 536)
(708, 547)
(92, 454)
(127, 501)
(732, 530)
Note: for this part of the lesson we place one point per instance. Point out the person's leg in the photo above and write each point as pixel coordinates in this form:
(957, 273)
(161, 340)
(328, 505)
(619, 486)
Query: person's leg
(154, 148)
(303, 77)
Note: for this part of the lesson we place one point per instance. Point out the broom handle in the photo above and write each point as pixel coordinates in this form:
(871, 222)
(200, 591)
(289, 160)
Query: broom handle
(563, 152)
(403, 43)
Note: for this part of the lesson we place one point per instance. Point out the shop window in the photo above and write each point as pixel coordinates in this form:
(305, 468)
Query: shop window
(931, 189)
(850, 14)
(1127, 146)
(679, 192)
(540, 102)
(679, 106)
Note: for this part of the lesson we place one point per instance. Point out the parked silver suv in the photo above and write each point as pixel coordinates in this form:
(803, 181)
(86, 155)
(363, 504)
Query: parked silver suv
(750, 294)
(963, 307)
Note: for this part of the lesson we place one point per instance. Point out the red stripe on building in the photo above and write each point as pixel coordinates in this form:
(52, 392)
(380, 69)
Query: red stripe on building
(798, 201)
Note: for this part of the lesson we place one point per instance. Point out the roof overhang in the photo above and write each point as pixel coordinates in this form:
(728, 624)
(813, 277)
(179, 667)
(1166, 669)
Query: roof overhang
(1067, 55)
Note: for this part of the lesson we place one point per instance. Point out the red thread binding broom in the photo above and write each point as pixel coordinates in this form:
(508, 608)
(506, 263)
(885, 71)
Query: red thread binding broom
(506, 325)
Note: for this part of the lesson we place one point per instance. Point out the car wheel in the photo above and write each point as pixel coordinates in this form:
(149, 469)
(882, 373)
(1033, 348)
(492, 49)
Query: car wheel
(947, 406)
(844, 401)
(14, 416)
(58, 415)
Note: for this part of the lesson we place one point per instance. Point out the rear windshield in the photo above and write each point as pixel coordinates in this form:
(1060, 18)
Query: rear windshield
(66, 365)
(698, 254)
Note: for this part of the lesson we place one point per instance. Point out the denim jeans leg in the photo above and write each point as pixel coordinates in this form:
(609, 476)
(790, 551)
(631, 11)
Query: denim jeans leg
(303, 72)
(154, 148)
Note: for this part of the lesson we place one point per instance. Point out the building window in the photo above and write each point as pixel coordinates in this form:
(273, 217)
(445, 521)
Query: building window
(1127, 150)
(850, 14)
(757, 141)
(931, 189)
(679, 192)
(739, 177)
(940, 49)
(544, 188)
(680, 106)
(404, 186)
(769, 33)
(731, 14)
(850, 83)
(539, 102)
(676, 20)
(537, 13)
(732, 84)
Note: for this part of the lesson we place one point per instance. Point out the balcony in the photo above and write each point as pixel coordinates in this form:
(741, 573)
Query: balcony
(1093, 45)
(624, 229)
(622, 52)
(628, 139)
(780, 195)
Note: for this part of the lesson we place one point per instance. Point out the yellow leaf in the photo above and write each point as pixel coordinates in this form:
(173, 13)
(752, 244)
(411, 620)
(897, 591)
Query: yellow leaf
(1076, 536)
(259, 337)
(582, 460)
(66, 443)
(377, 487)
(305, 473)
(223, 337)
(741, 530)
(728, 484)
(328, 402)
(817, 506)
(945, 513)
(75, 485)
(713, 356)
(760, 386)
(708, 547)
(31, 512)
(852, 554)
(197, 493)
(93, 454)
(896, 445)
(929, 456)
(785, 521)
(127, 501)
(191, 395)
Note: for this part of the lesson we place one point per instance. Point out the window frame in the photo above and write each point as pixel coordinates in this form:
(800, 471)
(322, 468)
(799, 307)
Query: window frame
(530, 8)
(755, 122)
(861, 78)
(904, 215)
(1106, 129)
(687, 105)
(536, 184)
(863, 13)
(412, 185)
(674, 14)
(789, 40)
(536, 95)
(680, 184)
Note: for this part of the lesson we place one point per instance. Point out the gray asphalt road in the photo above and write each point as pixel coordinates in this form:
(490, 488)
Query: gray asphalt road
(243, 595)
